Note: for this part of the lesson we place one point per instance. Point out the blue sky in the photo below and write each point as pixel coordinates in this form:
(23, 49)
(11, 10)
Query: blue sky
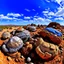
(22, 12)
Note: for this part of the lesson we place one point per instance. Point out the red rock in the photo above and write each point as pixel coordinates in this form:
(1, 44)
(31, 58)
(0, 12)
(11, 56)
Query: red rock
(50, 37)
(47, 50)
(25, 51)
(54, 25)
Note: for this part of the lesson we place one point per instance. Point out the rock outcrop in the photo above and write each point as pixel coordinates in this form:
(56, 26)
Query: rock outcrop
(47, 50)
(50, 37)
(54, 25)
(12, 45)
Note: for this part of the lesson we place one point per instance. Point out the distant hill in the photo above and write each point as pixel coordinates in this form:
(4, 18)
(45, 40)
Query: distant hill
(10, 25)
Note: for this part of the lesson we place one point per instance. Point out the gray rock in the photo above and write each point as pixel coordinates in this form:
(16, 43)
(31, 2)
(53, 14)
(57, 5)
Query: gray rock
(24, 35)
(6, 35)
(20, 29)
(28, 59)
(31, 28)
(12, 45)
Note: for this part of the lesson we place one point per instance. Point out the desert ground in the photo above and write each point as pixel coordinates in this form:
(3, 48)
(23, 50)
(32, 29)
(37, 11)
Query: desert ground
(8, 59)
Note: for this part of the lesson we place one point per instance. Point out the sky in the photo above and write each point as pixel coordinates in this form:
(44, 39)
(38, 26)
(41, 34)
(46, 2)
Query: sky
(23, 12)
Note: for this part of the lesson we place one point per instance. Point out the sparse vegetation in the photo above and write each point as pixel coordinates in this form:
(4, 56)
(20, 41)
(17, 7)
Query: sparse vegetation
(6, 27)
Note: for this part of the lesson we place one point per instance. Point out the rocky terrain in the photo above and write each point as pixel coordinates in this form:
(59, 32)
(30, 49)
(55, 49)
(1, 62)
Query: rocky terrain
(32, 44)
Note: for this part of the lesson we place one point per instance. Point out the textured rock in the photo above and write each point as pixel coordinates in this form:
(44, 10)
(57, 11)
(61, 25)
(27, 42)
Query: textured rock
(50, 37)
(56, 60)
(26, 49)
(35, 58)
(9, 58)
(6, 35)
(14, 55)
(20, 29)
(54, 25)
(14, 32)
(27, 43)
(12, 45)
(47, 50)
(54, 31)
(24, 35)
(38, 41)
(31, 28)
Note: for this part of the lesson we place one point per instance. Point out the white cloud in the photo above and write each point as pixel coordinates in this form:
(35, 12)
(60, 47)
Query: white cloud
(60, 18)
(26, 20)
(60, 9)
(13, 14)
(48, 20)
(1, 15)
(62, 3)
(39, 6)
(45, 11)
(48, 14)
(27, 10)
(33, 10)
(26, 17)
(47, 1)
(58, 1)
(6, 17)
(50, 17)
(51, 13)
(60, 12)
(35, 16)
(40, 19)
(22, 14)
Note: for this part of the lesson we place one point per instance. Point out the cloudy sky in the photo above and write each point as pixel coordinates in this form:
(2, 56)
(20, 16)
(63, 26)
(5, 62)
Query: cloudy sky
(22, 12)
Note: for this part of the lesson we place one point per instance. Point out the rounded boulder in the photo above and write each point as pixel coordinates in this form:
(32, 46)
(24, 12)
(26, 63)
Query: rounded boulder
(12, 45)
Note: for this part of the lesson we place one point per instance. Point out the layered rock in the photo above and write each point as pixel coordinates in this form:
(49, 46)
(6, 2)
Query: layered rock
(54, 31)
(50, 37)
(54, 25)
(47, 50)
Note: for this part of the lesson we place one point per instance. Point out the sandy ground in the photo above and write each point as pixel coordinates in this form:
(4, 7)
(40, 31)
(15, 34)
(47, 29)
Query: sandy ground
(3, 58)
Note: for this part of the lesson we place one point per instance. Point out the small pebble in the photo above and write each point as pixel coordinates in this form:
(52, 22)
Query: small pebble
(16, 60)
(31, 63)
(30, 46)
(9, 58)
(6, 35)
(22, 57)
(27, 43)
(28, 59)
